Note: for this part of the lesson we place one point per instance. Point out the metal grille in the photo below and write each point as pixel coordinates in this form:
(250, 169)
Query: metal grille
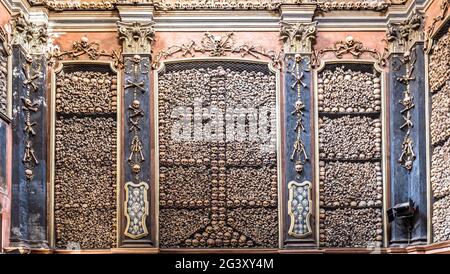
(216, 194)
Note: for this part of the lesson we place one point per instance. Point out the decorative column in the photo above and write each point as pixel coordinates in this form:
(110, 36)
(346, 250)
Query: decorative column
(407, 132)
(136, 39)
(29, 179)
(298, 230)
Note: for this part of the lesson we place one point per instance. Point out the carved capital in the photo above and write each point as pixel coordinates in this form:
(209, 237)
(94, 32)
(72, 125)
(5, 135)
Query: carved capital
(402, 36)
(136, 37)
(298, 37)
(32, 37)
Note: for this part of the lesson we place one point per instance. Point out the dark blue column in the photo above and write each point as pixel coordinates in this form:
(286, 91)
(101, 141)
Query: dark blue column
(29, 177)
(408, 183)
(137, 140)
(298, 169)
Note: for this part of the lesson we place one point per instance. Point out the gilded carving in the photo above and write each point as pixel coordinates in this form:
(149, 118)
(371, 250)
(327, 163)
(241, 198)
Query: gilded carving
(218, 45)
(32, 37)
(298, 37)
(299, 209)
(136, 37)
(401, 36)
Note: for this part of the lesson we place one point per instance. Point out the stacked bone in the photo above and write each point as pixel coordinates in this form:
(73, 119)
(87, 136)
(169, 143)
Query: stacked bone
(346, 137)
(440, 115)
(85, 160)
(439, 68)
(182, 187)
(3, 82)
(351, 227)
(365, 189)
(349, 91)
(350, 173)
(439, 76)
(85, 182)
(86, 92)
(210, 175)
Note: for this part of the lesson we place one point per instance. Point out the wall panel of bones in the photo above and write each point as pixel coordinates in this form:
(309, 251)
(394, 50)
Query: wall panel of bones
(86, 102)
(171, 125)
(349, 106)
(217, 177)
(440, 132)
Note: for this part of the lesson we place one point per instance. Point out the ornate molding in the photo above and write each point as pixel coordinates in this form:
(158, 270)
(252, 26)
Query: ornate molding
(401, 36)
(60, 5)
(227, 5)
(299, 209)
(164, 5)
(298, 37)
(352, 47)
(328, 6)
(32, 37)
(136, 37)
(217, 46)
(90, 49)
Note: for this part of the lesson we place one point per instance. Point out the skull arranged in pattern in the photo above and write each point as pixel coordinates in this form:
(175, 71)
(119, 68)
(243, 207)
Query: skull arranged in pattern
(350, 174)
(218, 171)
(85, 159)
